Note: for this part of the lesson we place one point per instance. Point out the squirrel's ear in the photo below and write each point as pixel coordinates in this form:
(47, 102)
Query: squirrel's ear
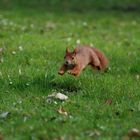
(67, 50)
(75, 51)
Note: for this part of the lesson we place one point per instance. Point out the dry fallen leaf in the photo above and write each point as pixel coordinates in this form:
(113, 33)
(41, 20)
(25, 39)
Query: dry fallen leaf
(1, 136)
(62, 111)
(59, 96)
(134, 133)
(109, 101)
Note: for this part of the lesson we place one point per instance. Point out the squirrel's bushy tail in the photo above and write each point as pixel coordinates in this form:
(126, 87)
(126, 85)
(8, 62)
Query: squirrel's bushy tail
(103, 60)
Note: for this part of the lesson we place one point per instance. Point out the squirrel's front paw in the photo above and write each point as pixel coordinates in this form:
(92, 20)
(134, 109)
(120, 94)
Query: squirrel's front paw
(61, 72)
(73, 73)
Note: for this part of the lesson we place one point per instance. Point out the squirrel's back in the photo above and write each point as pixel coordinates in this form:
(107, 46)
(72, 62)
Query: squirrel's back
(87, 51)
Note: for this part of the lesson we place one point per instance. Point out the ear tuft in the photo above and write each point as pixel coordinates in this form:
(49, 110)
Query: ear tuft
(67, 50)
(75, 51)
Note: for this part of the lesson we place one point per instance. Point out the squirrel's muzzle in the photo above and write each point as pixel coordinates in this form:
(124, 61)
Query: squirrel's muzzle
(67, 62)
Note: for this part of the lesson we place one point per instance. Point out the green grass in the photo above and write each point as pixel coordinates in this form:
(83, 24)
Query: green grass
(27, 76)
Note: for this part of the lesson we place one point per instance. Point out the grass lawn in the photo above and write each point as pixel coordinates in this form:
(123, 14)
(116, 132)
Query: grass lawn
(100, 106)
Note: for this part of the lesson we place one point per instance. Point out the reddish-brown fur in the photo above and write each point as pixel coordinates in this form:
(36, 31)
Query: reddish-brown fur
(76, 61)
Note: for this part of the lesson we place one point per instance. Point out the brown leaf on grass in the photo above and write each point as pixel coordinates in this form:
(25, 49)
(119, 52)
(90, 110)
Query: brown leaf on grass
(1, 136)
(62, 111)
(109, 101)
(134, 133)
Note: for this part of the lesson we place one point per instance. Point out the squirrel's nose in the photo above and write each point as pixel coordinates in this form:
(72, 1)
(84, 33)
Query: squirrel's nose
(66, 62)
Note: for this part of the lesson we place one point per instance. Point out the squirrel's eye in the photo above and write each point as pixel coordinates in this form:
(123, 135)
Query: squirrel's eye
(72, 58)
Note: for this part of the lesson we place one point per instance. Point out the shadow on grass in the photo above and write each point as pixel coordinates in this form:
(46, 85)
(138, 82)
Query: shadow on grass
(67, 86)
(48, 83)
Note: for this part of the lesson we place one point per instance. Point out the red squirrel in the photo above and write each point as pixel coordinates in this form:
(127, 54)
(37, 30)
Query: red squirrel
(76, 61)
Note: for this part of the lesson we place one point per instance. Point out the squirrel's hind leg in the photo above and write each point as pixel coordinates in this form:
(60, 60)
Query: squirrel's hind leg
(95, 64)
(96, 67)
